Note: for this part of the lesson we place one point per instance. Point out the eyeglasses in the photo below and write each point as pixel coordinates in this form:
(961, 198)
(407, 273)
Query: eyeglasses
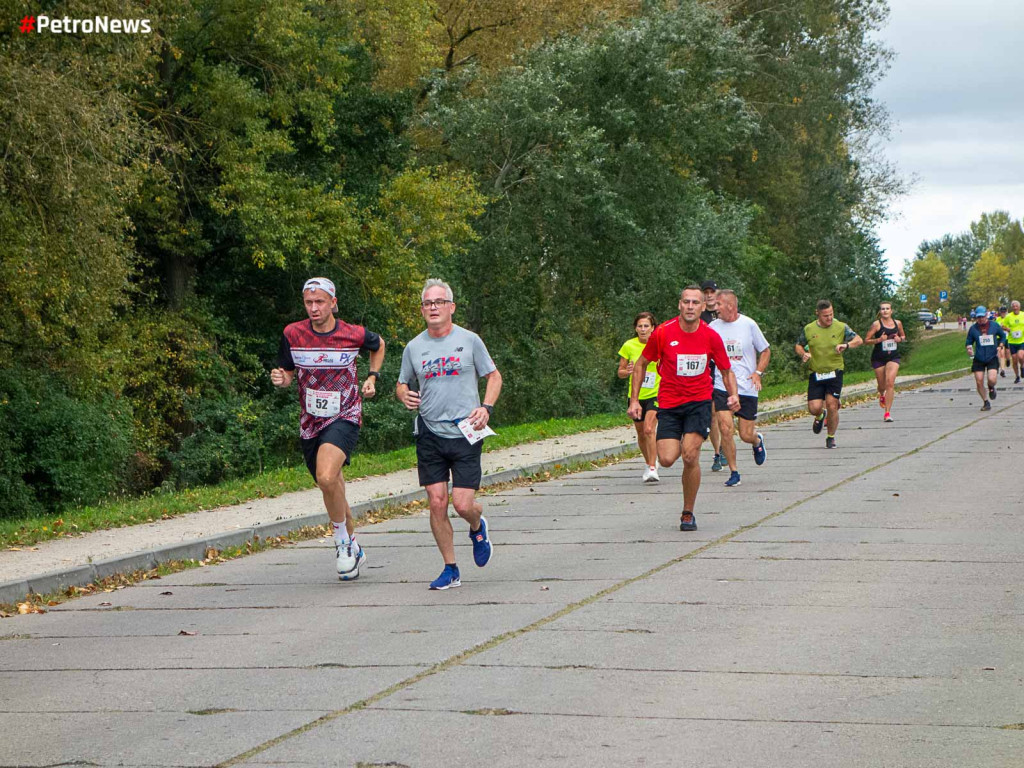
(431, 303)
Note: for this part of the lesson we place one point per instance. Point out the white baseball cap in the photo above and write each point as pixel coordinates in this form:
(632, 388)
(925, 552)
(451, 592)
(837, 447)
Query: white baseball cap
(322, 283)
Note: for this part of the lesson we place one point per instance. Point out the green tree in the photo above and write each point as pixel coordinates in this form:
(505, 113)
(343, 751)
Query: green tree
(928, 275)
(989, 281)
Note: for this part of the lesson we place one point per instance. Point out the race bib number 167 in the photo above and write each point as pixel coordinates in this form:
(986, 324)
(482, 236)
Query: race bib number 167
(691, 365)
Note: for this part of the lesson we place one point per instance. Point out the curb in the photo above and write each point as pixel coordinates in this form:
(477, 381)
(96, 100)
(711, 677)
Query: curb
(81, 575)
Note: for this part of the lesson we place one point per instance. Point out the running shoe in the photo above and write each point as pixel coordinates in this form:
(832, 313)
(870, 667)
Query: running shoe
(687, 522)
(647, 475)
(360, 560)
(887, 417)
(1002, 372)
(347, 558)
(760, 454)
(481, 544)
(992, 393)
(881, 399)
(830, 442)
(987, 406)
(1017, 380)
(819, 422)
(449, 578)
(733, 481)
(716, 465)
(653, 478)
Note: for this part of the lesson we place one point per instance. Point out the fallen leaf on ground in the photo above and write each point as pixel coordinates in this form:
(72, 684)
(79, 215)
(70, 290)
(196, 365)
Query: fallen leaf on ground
(166, 593)
(103, 604)
(188, 633)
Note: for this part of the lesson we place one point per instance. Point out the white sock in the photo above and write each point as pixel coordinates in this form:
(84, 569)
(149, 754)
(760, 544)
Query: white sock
(340, 532)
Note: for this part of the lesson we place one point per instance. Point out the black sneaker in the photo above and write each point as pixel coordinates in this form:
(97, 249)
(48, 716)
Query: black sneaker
(687, 522)
(1002, 372)
(818, 424)
(830, 442)
(1017, 380)
(992, 393)
(987, 406)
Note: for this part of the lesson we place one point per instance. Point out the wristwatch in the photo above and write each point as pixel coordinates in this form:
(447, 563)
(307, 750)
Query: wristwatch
(490, 409)
(375, 374)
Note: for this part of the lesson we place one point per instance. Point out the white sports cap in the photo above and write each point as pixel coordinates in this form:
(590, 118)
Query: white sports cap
(322, 283)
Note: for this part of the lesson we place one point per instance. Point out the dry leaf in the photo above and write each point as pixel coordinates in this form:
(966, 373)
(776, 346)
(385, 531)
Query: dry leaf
(166, 593)
(103, 604)
(188, 633)
(544, 589)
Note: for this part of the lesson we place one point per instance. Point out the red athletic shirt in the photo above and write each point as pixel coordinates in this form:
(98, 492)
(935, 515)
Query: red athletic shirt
(683, 362)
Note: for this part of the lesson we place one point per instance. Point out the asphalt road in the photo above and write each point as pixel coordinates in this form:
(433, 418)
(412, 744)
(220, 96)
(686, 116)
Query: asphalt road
(851, 607)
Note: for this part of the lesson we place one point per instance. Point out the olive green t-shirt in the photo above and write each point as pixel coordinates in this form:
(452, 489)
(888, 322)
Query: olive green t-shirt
(822, 343)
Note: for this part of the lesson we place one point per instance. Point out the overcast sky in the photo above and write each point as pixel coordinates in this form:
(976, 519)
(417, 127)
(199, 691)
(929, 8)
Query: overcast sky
(956, 94)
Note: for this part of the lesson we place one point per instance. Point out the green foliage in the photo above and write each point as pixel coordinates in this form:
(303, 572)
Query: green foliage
(57, 450)
(566, 164)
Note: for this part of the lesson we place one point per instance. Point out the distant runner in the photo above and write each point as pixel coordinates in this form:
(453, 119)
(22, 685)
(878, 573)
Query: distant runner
(984, 337)
(749, 353)
(683, 347)
(643, 324)
(885, 334)
(439, 380)
(1004, 352)
(710, 290)
(822, 345)
(1013, 324)
(323, 350)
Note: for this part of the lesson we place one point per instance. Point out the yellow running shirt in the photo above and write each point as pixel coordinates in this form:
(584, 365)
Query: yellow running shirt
(1014, 327)
(632, 350)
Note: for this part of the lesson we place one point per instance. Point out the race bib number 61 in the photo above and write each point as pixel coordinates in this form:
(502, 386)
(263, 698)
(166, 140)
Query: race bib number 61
(691, 365)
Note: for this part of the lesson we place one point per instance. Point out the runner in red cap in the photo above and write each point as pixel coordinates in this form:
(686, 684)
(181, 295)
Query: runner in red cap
(684, 347)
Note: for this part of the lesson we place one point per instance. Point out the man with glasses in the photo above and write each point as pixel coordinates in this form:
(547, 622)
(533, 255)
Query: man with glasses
(323, 350)
(439, 380)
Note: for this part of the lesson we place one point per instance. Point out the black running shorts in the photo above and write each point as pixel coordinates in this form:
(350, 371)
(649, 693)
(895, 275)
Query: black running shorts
(340, 433)
(439, 459)
(688, 418)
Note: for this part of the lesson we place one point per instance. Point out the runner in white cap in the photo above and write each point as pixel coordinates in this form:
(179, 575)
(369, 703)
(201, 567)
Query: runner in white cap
(323, 350)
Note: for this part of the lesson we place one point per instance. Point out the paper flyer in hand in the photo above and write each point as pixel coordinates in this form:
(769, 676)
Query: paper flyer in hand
(474, 435)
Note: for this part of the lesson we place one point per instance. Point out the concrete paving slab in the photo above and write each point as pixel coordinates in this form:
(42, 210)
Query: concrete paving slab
(438, 740)
(137, 739)
(843, 641)
(181, 691)
(717, 696)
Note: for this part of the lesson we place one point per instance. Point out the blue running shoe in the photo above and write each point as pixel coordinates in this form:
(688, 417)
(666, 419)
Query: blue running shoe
(481, 544)
(448, 579)
(760, 454)
(733, 481)
(716, 465)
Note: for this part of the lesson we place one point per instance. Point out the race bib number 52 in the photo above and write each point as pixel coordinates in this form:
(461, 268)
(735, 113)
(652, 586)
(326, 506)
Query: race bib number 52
(322, 403)
(691, 365)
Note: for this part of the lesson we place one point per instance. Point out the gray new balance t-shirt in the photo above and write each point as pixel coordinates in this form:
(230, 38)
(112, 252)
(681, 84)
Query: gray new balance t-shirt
(446, 373)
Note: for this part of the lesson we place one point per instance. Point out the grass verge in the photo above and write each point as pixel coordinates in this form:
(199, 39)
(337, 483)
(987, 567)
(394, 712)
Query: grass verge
(934, 353)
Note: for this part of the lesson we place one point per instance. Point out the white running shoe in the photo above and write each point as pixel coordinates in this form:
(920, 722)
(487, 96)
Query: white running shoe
(654, 475)
(348, 559)
(647, 474)
(360, 560)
